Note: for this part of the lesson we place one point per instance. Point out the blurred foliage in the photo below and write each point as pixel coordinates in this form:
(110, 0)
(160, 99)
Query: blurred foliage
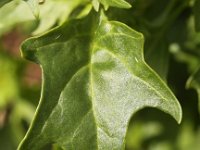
(15, 110)
(172, 48)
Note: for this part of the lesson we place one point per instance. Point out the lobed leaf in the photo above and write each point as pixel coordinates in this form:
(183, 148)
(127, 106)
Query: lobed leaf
(94, 79)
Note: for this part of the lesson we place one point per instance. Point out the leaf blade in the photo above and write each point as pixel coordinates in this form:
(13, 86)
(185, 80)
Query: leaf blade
(85, 70)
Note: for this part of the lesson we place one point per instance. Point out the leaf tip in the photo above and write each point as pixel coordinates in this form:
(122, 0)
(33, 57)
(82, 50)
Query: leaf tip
(188, 83)
(126, 5)
(96, 5)
(178, 113)
(180, 116)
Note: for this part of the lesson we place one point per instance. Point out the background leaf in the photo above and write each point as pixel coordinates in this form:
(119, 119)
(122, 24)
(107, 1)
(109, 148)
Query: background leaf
(197, 15)
(8, 83)
(34, 6)
(54, 12)
(3, 2)
(194, 82)
(12, 14)
(13, 108)
(113, 3)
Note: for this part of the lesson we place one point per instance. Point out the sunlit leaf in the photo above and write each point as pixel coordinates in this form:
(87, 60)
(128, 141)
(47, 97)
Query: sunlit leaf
(13, 14)
(114, 3)
(95, 4)
(54, 12)
(94, 79)
(34, 6)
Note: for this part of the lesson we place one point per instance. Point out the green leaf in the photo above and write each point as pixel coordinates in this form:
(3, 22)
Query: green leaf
(55, 12)
(140, 132)
(188, 138)
(18, 12)
(194, 82)
(3, 2)
(8, 81)
(12, 14)
(94, 79)
(95, 4)
(197, 14)
(34, 6)
(115, 3)
(191, 60)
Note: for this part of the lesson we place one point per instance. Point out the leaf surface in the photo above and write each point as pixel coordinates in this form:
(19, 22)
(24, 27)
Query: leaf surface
(94, 79)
